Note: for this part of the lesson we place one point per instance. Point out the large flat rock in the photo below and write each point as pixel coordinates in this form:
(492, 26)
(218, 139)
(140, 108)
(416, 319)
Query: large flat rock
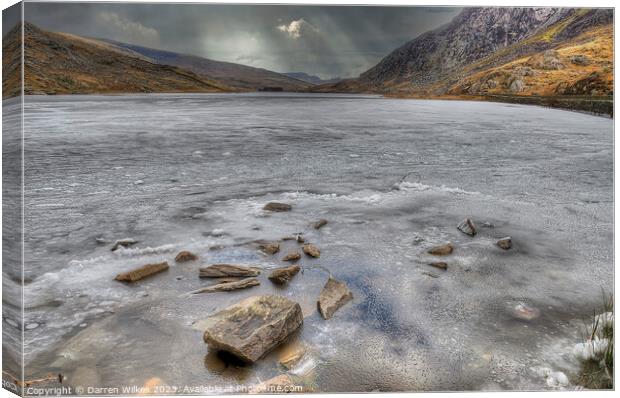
(253, 327)
(334, 295)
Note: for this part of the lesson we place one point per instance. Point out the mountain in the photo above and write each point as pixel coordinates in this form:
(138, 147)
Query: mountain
(239, 77)
(311, 78)
(500, 51)
(62, 63)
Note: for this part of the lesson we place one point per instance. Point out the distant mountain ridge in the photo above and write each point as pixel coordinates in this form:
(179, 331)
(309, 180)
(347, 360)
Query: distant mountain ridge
(311, 78)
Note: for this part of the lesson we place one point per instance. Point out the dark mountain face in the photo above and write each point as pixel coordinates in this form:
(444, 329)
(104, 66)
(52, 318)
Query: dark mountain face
(472, 35)
(311, 78)
(236, 76)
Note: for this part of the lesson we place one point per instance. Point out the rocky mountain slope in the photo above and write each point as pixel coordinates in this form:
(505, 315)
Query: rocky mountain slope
(239, 77)
(515, 51)
(61, 63)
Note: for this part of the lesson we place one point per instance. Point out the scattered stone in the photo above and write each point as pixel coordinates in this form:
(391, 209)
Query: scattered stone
(525, 312)
(223, 270)
(321, 223)
(311, 250)
(467, 226)
(278, 384)
(228, 286)
(430, 274)
(185, 256)
(291, 357)
(276, 206)
(439, 264)
(270, 248)
(124, 243)
(292, 256)
(284, 274)
(441, 250)
(101, 241)
(300, 239)
(334, 295)
(31, 326)
(505, 243)
(253, 327)
(179, 278)
(487, 224)
(216, 233)
(142, 272)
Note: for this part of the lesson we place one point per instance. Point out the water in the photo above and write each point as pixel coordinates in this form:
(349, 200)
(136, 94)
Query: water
(393, 177)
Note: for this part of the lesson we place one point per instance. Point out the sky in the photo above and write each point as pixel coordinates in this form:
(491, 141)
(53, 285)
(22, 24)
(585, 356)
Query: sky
(327, 41)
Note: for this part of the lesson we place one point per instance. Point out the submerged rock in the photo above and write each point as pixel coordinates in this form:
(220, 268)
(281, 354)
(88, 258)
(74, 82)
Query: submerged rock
(279, 384)
(439, 264)
(277, 206)
(292, 256)
(123, 243)
(223, 270)
(289, 358)
(334, 295)
(441, 250)
(185, 256)
(142, 272)
(505, 243)
(311, 250)
(321, 223)
(253, 327)
(228, 286)
(525, 312)
(284, 274)
(270, 248)
(300, 239)
(467, 226)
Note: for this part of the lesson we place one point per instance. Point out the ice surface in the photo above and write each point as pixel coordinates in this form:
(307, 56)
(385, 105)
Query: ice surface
(393, 177)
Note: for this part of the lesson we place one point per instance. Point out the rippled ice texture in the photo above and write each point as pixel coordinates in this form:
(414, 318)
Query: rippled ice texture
(393, 177)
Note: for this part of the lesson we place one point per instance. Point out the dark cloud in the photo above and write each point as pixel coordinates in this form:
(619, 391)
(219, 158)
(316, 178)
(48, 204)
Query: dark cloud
(327, 41)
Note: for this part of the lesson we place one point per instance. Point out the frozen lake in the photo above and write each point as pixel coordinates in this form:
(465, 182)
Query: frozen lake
(393, 177)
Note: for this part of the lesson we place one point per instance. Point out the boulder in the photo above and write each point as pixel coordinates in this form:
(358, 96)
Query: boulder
(228, 286)
(334, 295)
(441, 250)
(185, 256)
(142, 272)
(223, 270)
(311, 250)
(276, 206)
(321, 223)
(123, 243)
(505, 243)
(253, 327)
(439, 264)
(292, 256)
(467, 226)
(270, 248)
(284, 274)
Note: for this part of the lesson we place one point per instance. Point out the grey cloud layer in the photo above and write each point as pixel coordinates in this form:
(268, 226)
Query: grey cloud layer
(327, 41)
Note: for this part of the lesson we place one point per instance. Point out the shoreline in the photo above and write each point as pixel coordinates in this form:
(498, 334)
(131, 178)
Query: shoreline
(595, 106)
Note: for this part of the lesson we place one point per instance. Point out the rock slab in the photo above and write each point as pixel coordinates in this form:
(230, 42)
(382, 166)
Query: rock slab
(270, 248)
(228, 286)
(319, 224)
(505, 243)
(185, 256)
(253, 327)
(277, 206)
(142, 272)
(224, 270)
(292, 256)
(311, 250)
(284, 274)
(467, 226)
(334, 295)
(439, 264)
(441, 250)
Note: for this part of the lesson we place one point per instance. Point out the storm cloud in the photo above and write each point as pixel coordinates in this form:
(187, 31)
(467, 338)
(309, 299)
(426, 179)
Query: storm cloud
(328, 41)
